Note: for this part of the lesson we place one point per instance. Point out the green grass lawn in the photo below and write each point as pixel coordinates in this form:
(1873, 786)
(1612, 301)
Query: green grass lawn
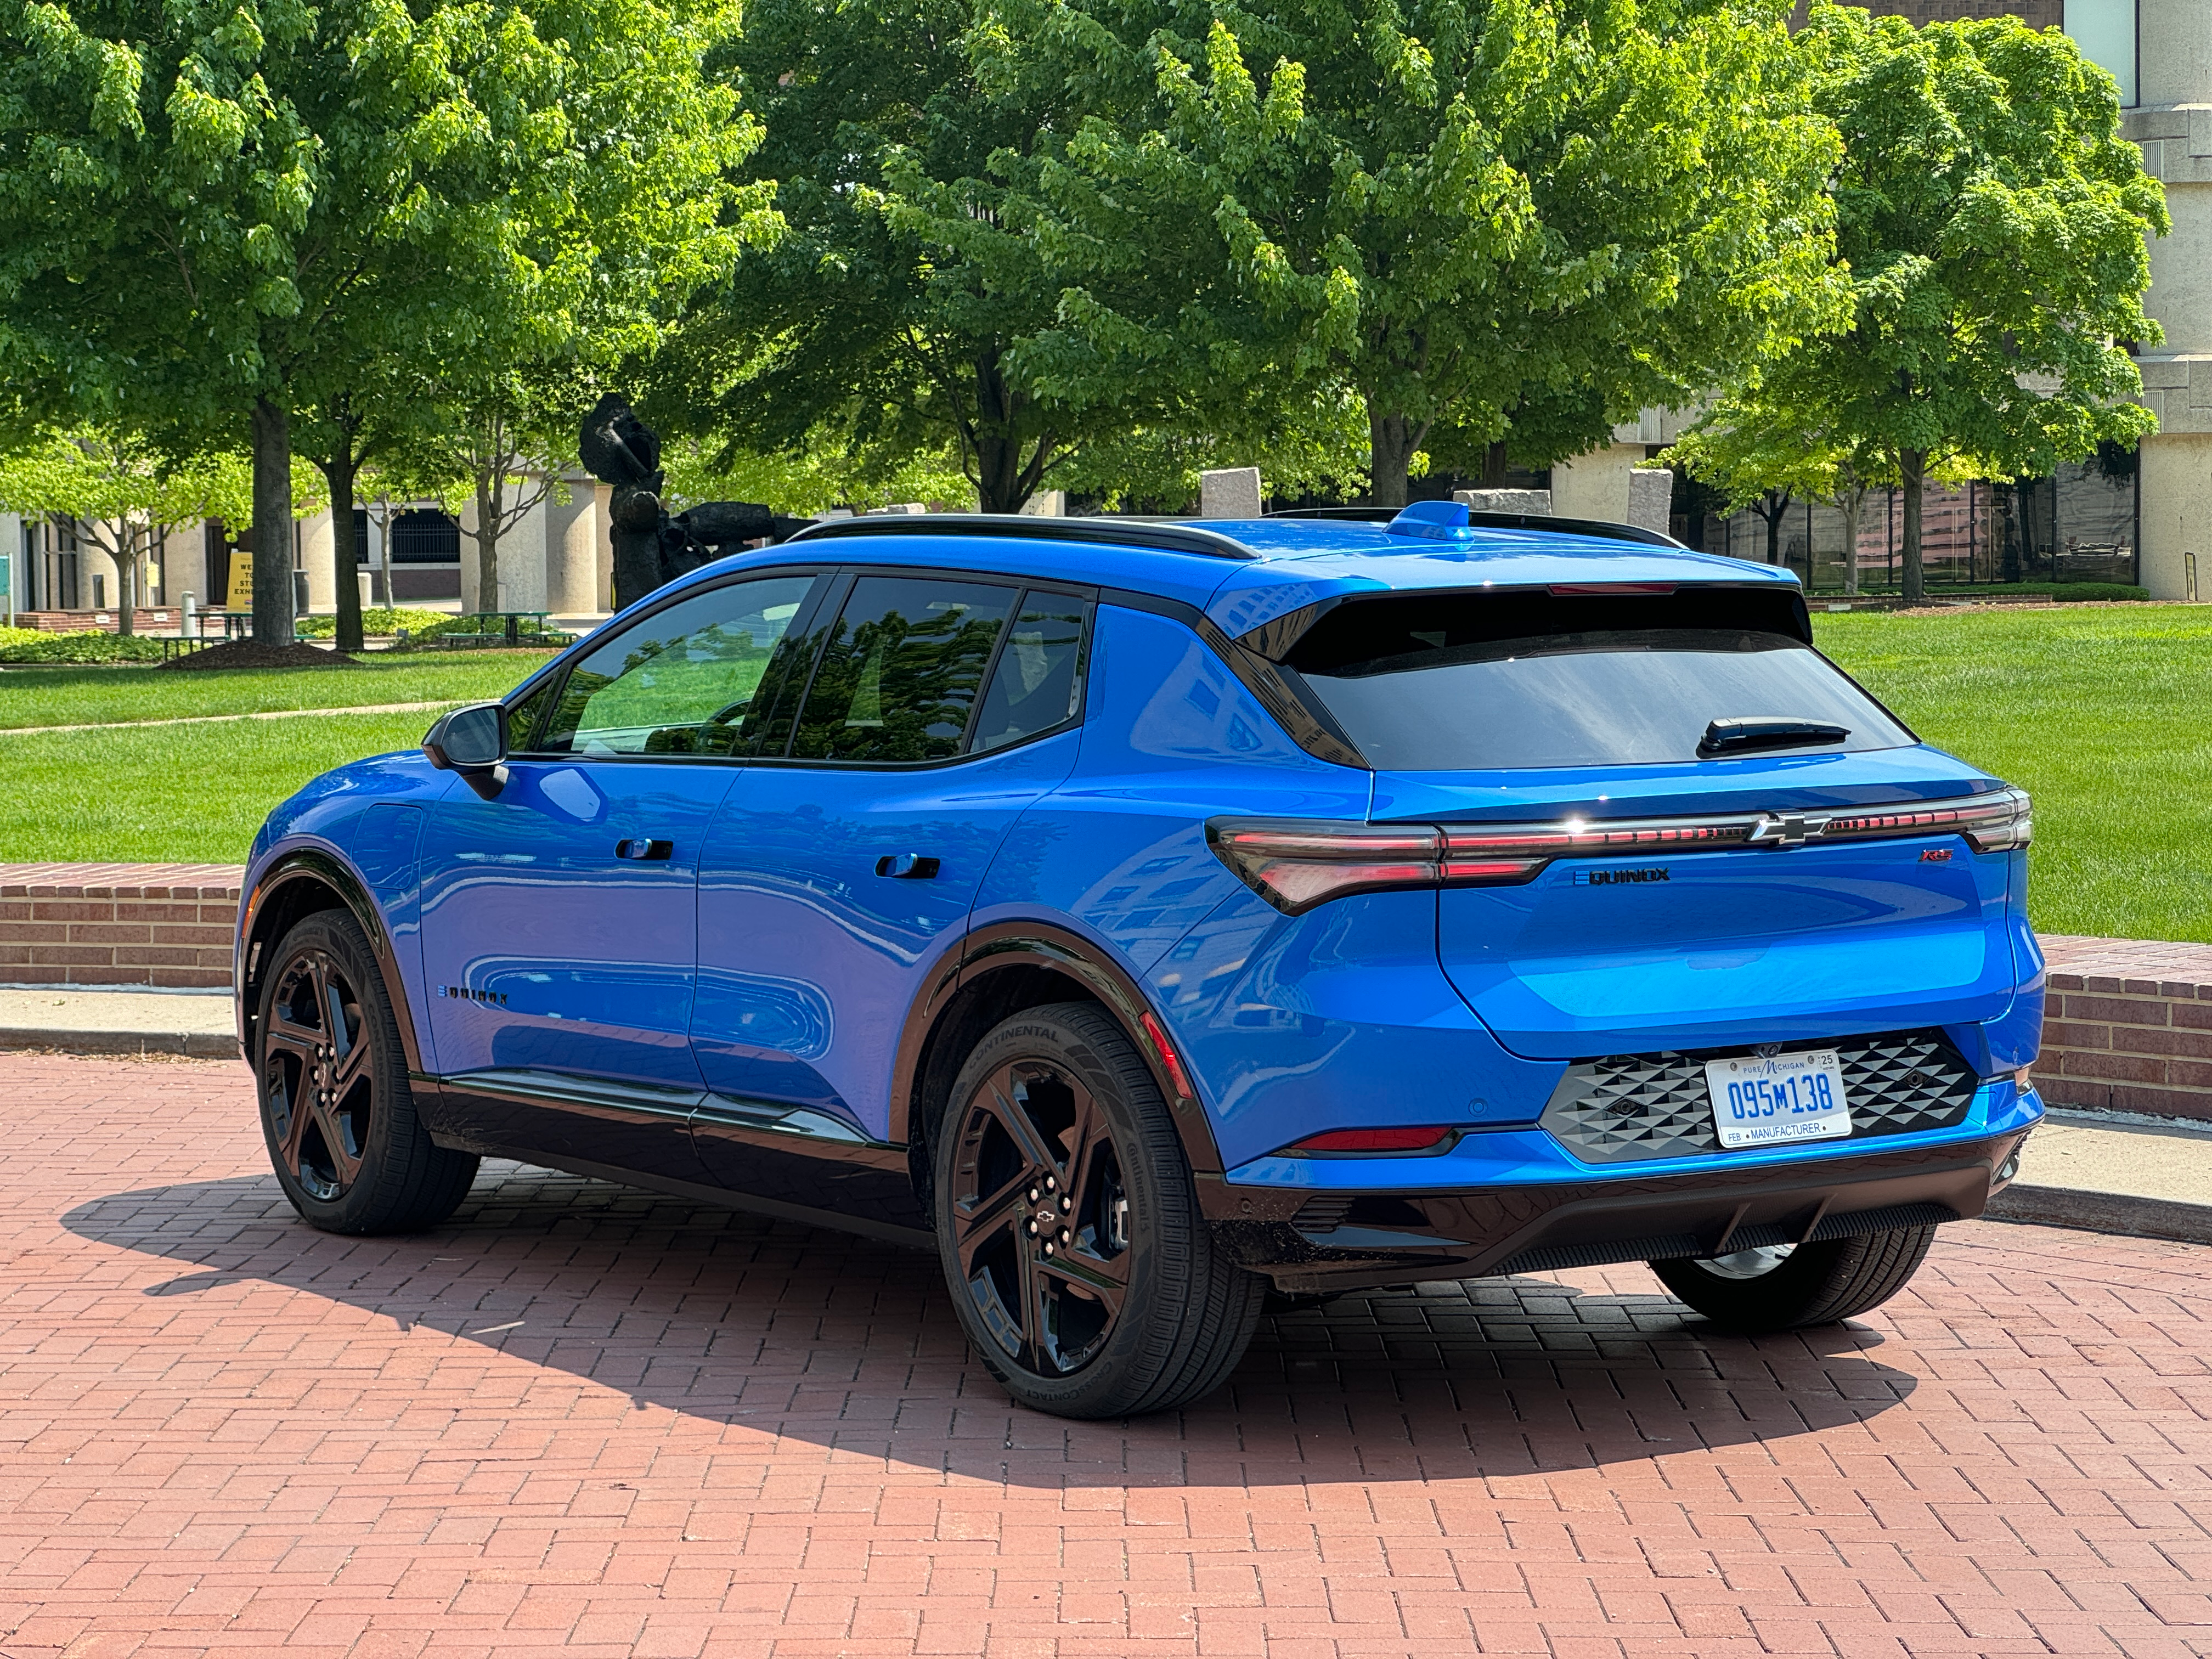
(2096, 709)
(187, 793)
(2099, 712)
(73, 697)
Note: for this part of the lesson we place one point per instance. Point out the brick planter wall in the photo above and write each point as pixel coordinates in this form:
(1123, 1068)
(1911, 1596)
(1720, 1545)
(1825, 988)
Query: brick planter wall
(2128, 1026)
(117, 924)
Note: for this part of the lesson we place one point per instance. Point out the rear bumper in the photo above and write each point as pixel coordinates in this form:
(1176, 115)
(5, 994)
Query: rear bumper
(1349, 1240)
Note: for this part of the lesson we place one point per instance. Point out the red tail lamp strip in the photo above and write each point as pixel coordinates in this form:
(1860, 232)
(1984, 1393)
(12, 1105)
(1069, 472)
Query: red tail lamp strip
(1419, 1138)
(1296, 864)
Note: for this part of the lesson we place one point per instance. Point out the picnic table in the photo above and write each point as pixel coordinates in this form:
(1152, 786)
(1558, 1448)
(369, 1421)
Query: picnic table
(504, 628)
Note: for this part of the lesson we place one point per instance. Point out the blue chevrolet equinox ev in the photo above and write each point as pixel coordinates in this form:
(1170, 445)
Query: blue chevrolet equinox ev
(1149, 916)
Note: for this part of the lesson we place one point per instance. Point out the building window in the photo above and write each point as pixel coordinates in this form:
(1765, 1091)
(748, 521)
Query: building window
(2105, 32)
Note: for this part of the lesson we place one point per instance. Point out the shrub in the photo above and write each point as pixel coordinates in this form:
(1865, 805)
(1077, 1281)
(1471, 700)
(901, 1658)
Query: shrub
(18, 637)
(84, 649)
(377, 621)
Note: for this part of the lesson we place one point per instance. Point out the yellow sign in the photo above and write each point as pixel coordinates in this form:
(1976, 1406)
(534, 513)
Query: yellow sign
(242, 581)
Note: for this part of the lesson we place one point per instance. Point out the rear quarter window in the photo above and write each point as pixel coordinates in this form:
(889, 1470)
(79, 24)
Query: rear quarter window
(1462, 682)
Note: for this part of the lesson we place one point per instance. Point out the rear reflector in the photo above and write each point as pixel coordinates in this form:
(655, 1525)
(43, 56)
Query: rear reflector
(1418, 1140)
(1296, 864)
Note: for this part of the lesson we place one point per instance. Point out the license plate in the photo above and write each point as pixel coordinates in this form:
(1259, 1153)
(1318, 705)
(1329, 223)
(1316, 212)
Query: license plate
(1761, 1103)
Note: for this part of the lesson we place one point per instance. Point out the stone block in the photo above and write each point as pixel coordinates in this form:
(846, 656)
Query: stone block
(1505, 500)
(1651, 497)
(1229, 492)
(1046, 504)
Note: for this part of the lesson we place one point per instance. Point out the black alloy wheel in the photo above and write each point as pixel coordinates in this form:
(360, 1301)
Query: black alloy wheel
(1068, 1225)
(316, 1074)
(1041, 1218)
(336, 1112)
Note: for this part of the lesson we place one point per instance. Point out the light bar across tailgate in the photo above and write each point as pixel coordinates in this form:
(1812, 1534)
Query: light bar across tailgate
(1296, 864)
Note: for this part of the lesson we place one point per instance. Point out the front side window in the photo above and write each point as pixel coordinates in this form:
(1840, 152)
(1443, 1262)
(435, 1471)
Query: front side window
(1488, 682)
(679, 682)
(899, 672)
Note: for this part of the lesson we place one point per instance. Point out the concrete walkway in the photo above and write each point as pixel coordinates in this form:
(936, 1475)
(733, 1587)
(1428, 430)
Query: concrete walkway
(96, 1021)
(212, 720)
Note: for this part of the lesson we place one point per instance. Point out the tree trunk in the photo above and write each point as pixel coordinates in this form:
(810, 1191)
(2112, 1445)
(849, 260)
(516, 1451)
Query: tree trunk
(1912, 464)
(487, 543)
(1391, 441)
(1493, 466)
(126, 578)
(1004, 481)
(1854, 506)
(339, 472)
(273, 614)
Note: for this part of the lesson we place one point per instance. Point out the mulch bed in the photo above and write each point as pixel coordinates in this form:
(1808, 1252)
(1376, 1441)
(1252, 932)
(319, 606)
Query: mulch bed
(252, 653)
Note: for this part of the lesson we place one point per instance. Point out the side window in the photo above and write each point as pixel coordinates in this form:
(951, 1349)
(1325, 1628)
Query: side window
(1038, 682)
(680, 681)
(899, 673)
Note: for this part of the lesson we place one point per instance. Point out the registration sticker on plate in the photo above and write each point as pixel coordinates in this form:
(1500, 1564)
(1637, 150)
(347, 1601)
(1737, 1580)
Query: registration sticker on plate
(1760, 1102)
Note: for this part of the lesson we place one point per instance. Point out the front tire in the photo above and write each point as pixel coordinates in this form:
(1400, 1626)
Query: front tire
(1788, 1287)
(1069, 1227)
(348, 1149)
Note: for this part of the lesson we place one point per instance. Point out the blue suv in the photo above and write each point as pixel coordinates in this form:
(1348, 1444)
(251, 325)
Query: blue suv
(1149, 917)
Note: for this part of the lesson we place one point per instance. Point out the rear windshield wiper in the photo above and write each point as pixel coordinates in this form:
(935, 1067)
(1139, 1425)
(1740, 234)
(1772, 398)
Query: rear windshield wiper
(1736, 734)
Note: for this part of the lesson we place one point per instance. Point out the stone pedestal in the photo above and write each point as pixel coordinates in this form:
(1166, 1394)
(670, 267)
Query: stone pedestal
(1230, 493)
(1594, 485)
(1046, 504)
(1650, 498)
(1504, 500)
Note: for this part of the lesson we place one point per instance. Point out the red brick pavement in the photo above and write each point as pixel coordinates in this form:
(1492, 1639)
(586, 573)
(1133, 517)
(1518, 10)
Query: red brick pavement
(585, 1421)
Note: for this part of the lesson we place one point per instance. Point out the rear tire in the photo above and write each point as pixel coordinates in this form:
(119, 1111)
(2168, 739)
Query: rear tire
(1068, 1225)
(348, 1149)
(1810, 1285)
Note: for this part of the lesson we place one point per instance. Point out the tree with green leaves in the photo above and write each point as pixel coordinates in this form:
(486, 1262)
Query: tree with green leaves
(1512, 221)
(121, 495)
(1991, 222)
(919, 300)
(244, 214)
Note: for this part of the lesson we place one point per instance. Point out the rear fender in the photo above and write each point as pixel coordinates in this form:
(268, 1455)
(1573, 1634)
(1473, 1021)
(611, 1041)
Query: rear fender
(295, 883)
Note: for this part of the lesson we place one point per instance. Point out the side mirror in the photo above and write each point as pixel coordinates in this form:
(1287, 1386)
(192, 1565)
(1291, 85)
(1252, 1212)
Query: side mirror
(471, 741)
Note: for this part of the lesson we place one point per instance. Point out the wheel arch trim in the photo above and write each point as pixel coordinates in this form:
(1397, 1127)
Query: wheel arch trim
(1039, 944)
(325, 867)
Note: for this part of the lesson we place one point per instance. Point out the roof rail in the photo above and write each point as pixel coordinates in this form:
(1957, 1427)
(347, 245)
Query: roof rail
(1603, 529)
(1161, 538)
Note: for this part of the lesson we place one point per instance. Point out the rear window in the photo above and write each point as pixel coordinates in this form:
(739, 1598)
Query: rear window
(1484, 682)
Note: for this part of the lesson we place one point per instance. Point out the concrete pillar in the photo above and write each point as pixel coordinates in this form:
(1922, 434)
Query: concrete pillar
(1594, 485)
(319, 556)
(573, 534)
(524, 556)
(2173, 125)
(1230, 492)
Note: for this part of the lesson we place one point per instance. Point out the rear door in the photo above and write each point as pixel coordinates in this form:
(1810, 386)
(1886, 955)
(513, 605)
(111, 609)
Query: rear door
(1681, 708)
(930, 710)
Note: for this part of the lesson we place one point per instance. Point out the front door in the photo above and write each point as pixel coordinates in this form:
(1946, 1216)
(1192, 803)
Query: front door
(561, 917)
(839, 872)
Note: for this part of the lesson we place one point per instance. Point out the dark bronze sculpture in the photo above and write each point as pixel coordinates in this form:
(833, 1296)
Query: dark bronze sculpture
(651, 546)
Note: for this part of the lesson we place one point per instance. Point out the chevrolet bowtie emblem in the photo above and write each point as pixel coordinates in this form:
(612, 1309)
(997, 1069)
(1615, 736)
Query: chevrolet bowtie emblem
(1784, 829)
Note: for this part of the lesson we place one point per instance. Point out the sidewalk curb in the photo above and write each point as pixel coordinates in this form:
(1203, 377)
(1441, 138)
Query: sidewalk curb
(203, 1045)
(2103, 1212)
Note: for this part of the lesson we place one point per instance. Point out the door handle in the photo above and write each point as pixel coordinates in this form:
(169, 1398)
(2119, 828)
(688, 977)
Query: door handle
(646, 850)
(906, 866)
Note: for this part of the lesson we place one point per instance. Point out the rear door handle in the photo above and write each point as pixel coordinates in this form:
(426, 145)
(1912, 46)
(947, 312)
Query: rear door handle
(906, 866)
(643, 849)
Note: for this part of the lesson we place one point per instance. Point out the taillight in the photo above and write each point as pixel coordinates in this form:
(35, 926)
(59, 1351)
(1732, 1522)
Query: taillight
(1995, 822)
(1428, 1137)
(1297, 863)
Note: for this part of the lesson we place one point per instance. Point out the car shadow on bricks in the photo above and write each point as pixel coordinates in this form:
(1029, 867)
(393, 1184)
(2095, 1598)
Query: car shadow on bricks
(815, 1335)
